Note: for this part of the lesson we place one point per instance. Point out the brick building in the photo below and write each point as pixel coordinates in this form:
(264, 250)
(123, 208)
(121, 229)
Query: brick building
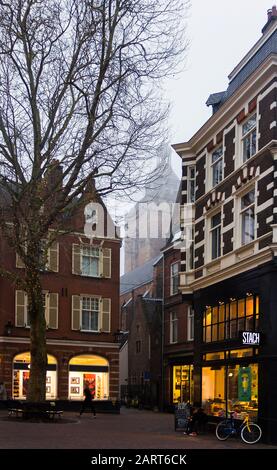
(178, 331)
(141, 316)
(229, 166)
(81, 296)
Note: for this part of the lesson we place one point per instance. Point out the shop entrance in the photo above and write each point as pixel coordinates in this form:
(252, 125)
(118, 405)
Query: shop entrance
(21, 375)
(90, 369)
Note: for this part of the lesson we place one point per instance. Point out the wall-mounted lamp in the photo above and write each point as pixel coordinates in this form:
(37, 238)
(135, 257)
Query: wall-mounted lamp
(118, 335)
(8, 328)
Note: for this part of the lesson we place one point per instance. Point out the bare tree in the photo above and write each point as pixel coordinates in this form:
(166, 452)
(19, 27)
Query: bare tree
(79, 87)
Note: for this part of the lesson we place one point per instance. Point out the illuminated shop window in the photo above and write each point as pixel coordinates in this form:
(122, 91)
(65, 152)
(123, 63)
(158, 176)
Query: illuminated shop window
(213, 390)
(21, 376)
(242, 390)
(182, 384)
(88, 370)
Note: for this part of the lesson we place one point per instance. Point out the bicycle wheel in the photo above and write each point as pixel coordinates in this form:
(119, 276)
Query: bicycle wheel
(223, 430)
(251, 433)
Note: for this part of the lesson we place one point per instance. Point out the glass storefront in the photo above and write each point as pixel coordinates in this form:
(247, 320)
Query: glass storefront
(182, 384)
(232, 386)
(21, 375)
(91, 370)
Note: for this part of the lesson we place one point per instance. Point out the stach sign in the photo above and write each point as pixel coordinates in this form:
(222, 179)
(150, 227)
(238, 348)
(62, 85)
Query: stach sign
(250, 338)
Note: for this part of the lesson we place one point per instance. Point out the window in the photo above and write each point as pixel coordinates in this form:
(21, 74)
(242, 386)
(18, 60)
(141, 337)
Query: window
(226, 320)
(216, 236)
(249, 138)
(173, 328)
(217, 166)
(190, 324)
(191, 184)
(182, 384)
(248, 217)
(90, 314)
(138, 347)
(174, 278)
(90, 261)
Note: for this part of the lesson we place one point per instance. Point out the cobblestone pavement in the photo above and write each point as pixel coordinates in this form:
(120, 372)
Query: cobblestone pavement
(132, 429)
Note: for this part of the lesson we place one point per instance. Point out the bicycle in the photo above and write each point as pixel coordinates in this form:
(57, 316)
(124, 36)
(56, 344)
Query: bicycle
(250, 432)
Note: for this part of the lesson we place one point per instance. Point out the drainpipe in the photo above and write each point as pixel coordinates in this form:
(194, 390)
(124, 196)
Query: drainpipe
(162, 348)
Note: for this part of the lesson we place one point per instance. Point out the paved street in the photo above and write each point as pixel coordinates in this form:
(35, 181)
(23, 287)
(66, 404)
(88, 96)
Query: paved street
(132, 429)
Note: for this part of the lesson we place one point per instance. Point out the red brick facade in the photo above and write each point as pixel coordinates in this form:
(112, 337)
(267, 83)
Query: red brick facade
(63, 342)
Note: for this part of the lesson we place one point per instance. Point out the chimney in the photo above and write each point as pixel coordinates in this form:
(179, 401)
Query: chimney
(271, 17)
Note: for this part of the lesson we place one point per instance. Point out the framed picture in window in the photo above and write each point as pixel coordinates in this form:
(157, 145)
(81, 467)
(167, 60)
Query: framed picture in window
(48, 380)
(75, 380)
(48, 389)
(75, 390)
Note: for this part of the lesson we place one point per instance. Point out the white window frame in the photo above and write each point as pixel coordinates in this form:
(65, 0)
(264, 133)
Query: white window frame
(190, 262)
(173, 277)
(190, 324)
(92, 298)
(248, 134)
(211, 230)
(89, 247)
(173, 334)
(214, 164)
(243, 211)
(191, 182)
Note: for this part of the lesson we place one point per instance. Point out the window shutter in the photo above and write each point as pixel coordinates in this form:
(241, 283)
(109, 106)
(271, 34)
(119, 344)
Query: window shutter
(18, 262)
(53, 308)
(53, 257)
(20, 307)
(76, 312)
(76, 259)
(106, 315)
(106, 262)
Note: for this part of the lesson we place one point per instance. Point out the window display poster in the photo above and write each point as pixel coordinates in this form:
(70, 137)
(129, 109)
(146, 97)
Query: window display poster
(244, 384)
(25, 380)
(89, 379)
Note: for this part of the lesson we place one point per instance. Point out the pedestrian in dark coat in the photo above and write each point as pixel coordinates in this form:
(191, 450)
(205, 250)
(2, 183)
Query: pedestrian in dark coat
(88, 401)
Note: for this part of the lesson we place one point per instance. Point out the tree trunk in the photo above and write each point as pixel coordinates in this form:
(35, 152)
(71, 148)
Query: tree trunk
(37, 382)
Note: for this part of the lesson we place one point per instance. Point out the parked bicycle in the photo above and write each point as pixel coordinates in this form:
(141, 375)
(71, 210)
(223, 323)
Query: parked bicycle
(249, 432)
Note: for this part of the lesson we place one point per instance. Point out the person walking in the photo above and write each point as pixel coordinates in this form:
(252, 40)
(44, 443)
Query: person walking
(88, 401)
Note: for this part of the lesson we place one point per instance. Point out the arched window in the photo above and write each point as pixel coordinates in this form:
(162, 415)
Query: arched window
(21, 375)
(92, 370)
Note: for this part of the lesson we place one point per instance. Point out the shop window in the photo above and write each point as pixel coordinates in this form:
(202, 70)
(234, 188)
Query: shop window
(242, 390)
(241, 353)
(88, 370)
(21, 376)
(213, 390)
(214, 356)
(182, 384)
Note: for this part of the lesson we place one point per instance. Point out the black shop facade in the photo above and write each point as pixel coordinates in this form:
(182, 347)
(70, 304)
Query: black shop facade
(235, 355)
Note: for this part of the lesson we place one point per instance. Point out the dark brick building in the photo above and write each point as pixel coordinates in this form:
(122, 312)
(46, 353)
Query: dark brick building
(141, 317)
(230, 169)
(81, 296)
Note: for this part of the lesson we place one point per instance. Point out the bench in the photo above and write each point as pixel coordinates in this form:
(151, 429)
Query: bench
(18, 412)
(52, 414)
